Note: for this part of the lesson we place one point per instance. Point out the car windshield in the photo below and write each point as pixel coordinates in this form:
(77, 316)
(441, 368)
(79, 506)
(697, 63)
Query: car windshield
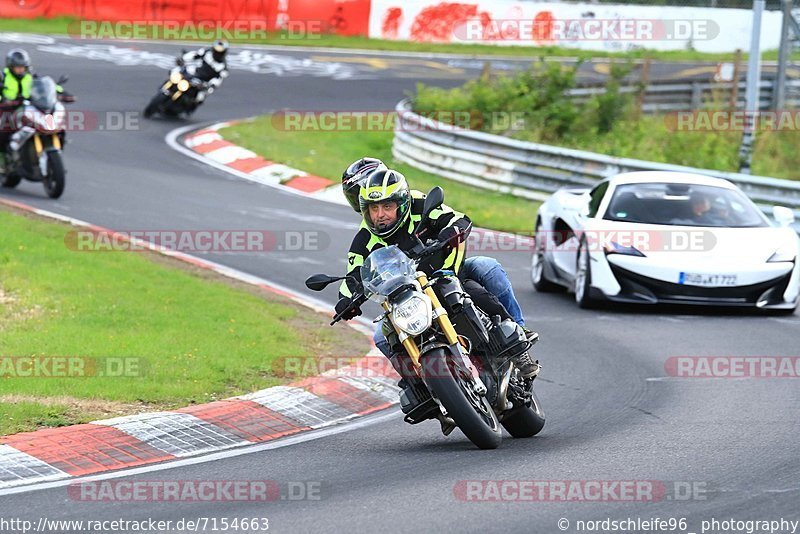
(385, 270)
(43, 94)
(683, 205)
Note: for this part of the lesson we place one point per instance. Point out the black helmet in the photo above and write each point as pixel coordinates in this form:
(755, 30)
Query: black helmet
(219, 49)
(385, 186)
(354, 177)
(18, 57)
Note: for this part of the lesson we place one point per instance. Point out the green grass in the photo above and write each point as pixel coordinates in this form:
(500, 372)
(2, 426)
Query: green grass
(328, 153)
(60, 25)
(654, 138)
(196, 336)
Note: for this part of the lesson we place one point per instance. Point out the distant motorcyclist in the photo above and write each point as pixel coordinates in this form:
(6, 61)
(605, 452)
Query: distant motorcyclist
(208, 64)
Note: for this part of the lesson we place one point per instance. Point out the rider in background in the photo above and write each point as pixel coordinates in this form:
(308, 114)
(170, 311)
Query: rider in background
(208, 64)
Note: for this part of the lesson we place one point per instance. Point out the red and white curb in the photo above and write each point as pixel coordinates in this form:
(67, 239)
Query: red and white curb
(121, 443)
(209, 146)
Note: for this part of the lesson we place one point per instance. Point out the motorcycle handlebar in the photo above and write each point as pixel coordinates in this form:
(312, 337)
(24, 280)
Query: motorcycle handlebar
(357, 300)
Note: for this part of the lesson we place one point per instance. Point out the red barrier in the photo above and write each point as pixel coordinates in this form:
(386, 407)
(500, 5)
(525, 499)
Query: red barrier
(345, 17)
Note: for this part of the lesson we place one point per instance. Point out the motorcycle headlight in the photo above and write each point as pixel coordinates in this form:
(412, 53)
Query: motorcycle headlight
(783, 254)
(183, 85)
(413, 315)
(175, 77)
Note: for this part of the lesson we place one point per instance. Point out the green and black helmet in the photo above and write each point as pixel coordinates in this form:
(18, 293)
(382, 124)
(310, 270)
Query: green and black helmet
(355, 176)
(385, 186)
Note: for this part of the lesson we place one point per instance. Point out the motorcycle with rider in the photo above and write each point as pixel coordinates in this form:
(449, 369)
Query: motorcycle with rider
(197, 74)
(33, 130)
(462, 358)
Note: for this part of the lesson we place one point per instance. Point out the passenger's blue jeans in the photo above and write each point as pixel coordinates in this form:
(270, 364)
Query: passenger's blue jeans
(490, 274)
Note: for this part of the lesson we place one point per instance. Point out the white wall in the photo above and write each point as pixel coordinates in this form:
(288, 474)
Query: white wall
(424, 20)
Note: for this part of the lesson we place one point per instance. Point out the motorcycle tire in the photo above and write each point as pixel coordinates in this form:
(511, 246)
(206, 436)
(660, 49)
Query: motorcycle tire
(478, 423)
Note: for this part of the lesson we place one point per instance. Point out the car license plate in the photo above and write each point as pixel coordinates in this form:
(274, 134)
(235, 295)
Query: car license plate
(707, 280)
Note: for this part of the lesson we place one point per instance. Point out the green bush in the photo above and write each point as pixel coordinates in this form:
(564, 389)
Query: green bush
(605, 123)
(534, 97)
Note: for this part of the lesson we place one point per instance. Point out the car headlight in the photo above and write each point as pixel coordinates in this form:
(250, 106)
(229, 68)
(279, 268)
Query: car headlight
(183, 85)
(615, 248)
(413, 315)
(786, 253)
(175, 77)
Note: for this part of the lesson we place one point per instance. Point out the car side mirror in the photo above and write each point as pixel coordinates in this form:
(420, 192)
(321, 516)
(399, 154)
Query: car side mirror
(783, 215)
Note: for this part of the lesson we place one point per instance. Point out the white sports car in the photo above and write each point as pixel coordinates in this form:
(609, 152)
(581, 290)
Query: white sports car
(656, 236)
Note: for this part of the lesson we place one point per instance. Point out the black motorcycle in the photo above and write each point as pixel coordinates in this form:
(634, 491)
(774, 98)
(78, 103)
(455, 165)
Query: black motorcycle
(178, 96)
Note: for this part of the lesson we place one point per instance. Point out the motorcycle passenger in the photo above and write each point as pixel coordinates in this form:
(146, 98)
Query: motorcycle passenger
(487, 271)
(207, 64)
(390, 216)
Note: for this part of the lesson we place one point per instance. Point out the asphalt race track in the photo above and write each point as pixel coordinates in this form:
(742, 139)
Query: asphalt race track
(612, 412)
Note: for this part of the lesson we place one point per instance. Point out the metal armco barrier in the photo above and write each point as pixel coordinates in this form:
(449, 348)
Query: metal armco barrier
(662, 97)
(533, 170)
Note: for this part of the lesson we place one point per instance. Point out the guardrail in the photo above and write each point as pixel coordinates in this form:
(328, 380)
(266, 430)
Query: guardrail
(533, 170)
(662, 97)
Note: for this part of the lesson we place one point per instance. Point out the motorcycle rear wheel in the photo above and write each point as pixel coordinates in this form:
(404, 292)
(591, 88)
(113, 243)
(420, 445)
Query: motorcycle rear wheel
(525, 421)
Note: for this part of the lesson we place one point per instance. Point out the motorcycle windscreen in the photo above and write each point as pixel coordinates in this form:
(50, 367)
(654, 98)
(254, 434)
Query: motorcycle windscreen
(43, 94)
(385, 270)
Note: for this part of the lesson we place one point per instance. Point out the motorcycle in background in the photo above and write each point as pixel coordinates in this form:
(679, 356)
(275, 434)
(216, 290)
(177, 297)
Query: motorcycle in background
(34, 150)
(181, 94)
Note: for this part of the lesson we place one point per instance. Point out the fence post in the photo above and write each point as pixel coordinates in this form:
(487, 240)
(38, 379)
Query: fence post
(779, 89)
(643, 82)
(737, 61)
(697, 95)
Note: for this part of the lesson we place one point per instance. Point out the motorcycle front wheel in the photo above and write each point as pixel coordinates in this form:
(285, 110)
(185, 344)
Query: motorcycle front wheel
(155, 105)
(472, 412)
(56, 175)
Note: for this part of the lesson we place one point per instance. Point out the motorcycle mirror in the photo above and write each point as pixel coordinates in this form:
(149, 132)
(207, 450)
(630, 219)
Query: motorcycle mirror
(62, 79)
(433, 200)
(318, 282)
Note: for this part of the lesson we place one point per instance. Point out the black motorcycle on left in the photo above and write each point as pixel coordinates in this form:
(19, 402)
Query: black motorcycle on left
(34, 150)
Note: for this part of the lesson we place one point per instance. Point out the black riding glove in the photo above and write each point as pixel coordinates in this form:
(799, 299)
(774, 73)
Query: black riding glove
(450, 234)
(343, 304)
